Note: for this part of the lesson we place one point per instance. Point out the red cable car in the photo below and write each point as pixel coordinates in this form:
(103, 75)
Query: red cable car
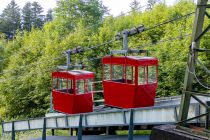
(72, 91)
(129, 81)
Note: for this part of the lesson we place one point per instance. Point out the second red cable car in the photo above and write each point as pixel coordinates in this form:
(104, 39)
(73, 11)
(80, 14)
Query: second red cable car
(129, 81)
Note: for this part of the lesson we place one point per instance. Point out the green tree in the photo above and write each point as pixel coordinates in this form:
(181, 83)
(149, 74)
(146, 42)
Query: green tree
(71, 12)
(2, 45)
(37, 17)
(135, 5)
(151, 4)
(10, 19)
(27, 17)
(49, 15)
(31, 56)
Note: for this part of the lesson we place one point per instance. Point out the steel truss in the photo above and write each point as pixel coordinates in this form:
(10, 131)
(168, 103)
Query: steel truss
(197, 34)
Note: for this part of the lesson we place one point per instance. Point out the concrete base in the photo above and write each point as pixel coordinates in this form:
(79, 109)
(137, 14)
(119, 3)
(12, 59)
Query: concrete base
(168, 132)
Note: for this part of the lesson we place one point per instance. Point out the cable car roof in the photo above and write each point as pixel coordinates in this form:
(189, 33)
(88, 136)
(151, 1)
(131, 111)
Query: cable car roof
(130, 60)
(79, 72)
(74, 74)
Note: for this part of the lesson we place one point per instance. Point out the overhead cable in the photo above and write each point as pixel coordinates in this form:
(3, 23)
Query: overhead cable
(169, 21)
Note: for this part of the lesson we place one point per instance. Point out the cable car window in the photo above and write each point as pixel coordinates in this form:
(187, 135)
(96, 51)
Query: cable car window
(70, 86)
(117, 73)
(62, 85)
(55, 83)
(130, 74)
(89, 85)
(106, 72)
(80, 86)
(142, 75)
(152, 74)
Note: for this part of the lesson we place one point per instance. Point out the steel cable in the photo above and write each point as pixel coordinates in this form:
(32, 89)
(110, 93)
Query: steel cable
(110, 41)
(196, 77)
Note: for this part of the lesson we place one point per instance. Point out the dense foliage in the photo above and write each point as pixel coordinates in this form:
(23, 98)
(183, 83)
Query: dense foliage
(28, 60)
(13, 18)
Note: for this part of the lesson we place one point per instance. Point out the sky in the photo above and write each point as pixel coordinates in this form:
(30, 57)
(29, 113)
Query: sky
(115, 6)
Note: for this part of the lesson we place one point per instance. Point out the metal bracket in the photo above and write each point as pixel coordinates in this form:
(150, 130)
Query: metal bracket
(68, 61)
(193, 46)
(119, 52)
(125, 40)
(71, 67)
(139, 51)
(124, 35)
(131, 32)
(68, 58)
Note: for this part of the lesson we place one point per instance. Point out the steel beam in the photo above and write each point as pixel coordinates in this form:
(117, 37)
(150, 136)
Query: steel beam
(53, 132)
(207, 14)
(79, 135)
(207, 117)
(68, 60)
(198, 93)
(193, 118)
(188, 81)
(131, 126)
(44, 137)
(125, 40)
(201, 102)
(13, 130)
(164, 112)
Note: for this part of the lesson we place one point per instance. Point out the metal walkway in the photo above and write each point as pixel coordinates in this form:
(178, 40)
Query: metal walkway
(96, 137)
(165, 111)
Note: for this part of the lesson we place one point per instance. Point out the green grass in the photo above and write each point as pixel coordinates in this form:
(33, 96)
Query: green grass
(26, 135)
(135, 132)
(23, 135)
(0, 130)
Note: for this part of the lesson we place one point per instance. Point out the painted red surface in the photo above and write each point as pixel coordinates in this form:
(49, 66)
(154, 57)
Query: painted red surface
(73, 74)
(72, 102)
(131, 60)
(129, 94)
(63, 102)
(145, 95)
(119, 94)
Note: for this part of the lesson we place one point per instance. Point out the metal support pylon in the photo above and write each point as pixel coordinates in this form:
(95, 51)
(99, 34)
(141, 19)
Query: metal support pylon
(189, 74)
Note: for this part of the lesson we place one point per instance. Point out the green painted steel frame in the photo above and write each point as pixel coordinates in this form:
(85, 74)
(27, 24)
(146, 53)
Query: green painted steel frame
(197, 34)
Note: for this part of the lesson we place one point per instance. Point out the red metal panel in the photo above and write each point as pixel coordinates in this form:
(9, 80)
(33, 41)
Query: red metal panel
(63, 102)
(59, 74)
(145, 95)
(119, 94)
(71, 75)
(113, 60)
(130, 60)
(83, 103)
(71, 103)
(127, 96)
